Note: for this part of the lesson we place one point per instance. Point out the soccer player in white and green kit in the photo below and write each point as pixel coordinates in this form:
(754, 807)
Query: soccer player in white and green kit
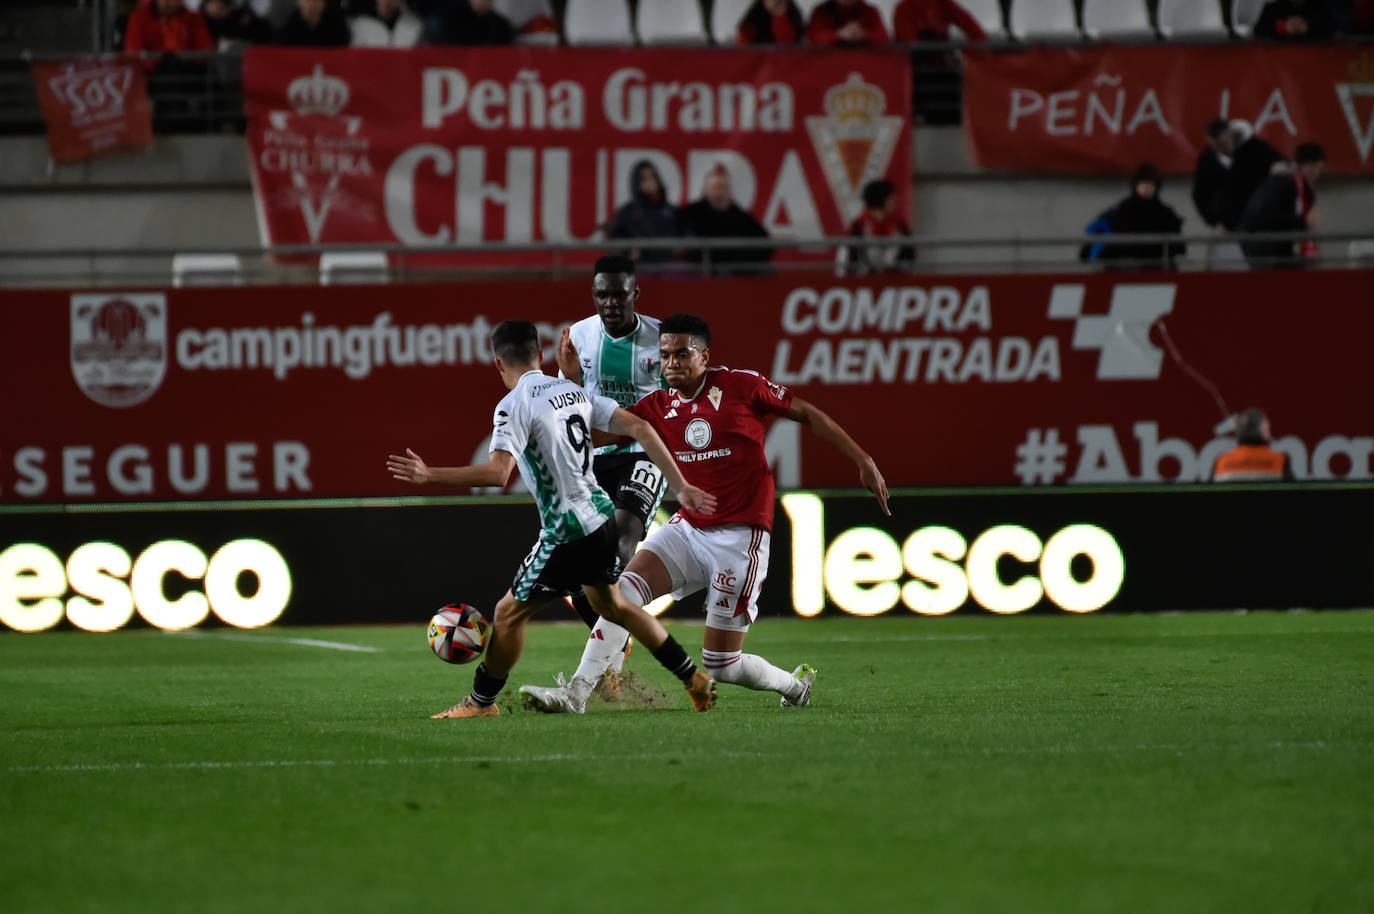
(544, 424)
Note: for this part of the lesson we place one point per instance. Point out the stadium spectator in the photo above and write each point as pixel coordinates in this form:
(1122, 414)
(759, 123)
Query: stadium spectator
(532, 20)
(878, 220)
(716, 215)
(647, 215)
(1295, 20)
(1283, 203)
(1141, 213)
(930, 20)
(1211, 172)
(471, 22)
(771, 22)
(315, 23)
(234, 21)
(389, 24)
(1252, 162)
(166, 26)
(1252, 459)
(846, 22)
(935, 80)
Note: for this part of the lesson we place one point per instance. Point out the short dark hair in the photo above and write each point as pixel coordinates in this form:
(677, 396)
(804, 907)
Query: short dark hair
(1216, 127)
(876, 193)
(614, 263)
(1310, 152)
(1148, 172)
(689, 324)
(516, 342)
(1250, 426)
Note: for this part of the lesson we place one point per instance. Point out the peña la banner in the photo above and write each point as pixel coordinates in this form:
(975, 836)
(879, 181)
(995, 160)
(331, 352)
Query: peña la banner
(518, 144)
(1107, 108)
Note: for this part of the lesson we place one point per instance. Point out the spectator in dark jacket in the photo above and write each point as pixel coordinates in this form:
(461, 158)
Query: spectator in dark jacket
(846, 22)
(1211, 172)
(716, 215)
(1254, 159)
(1142, 213)
(647, 215)
(315, 23)
(1295, 20)
(472, 22)
(771, 22)
(1283, 203)
(930, 20)
(233, 20)
(878, 220)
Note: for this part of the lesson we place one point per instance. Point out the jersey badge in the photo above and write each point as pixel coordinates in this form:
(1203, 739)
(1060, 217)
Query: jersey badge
(714, 396)
(698, 433)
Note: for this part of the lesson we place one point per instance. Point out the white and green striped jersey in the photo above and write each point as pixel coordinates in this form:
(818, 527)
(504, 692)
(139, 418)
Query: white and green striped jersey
(625, 369)
(545, 424)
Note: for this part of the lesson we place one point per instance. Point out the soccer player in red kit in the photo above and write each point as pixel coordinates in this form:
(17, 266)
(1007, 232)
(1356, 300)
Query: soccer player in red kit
(712, 420)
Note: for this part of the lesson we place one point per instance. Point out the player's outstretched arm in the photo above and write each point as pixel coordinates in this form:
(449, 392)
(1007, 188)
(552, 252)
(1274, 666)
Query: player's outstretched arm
(829, 431)
(698, 501)
(412, 469)
(566, 356)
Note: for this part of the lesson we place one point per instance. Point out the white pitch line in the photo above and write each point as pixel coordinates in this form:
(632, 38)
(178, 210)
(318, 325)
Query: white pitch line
(272, 639)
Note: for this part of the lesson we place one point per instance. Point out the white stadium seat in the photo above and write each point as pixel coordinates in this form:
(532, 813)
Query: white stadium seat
(598, 22)
(1244, 15)
(1117, 19)
(1044, 19)
(344, 267)
(671, 22)
(1191, 19)
(725, 17)
(206, 270)
(989, 16)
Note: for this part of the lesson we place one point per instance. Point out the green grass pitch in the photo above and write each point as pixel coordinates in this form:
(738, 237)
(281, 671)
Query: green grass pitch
(1184, 763)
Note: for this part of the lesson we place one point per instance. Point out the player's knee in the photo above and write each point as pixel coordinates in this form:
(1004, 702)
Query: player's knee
(723, 666)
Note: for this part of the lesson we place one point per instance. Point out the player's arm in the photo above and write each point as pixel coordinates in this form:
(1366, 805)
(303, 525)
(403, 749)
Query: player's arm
(412, 469)
(628, 424)
(829, 431)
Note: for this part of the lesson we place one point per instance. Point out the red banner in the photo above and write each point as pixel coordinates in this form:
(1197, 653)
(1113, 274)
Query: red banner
(1106, 108)
(303, 391)
(438, 145)
(93, 106)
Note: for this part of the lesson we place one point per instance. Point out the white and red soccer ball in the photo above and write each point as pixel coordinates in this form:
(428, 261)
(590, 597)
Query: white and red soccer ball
(458, 633)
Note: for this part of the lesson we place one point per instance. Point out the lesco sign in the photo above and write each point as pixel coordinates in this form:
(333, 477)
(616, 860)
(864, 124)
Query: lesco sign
(109, 586)
(936, 570)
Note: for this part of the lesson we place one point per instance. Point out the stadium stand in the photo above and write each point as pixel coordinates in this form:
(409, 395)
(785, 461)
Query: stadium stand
(1032, 20)
(206, 270)
(670, 22)
(591, 22)
(1190, 19)
(340, 267)
(1244, 15)
(534, 20)
(1117, 19)
(989, 16)
(725, 17)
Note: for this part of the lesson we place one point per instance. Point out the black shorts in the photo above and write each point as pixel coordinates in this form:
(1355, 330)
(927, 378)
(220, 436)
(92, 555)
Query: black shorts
(632, 481)
(561, 569)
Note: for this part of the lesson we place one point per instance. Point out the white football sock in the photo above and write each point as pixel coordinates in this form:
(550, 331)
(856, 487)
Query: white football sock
(750, 671)
(635, 590)
(606, 641)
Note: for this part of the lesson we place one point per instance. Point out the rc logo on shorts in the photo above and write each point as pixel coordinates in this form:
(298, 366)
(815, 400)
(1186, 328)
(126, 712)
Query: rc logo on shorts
(698, 433)
(119, 346)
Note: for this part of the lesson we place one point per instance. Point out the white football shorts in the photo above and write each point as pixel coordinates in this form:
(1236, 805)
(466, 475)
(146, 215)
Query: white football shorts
(730, 562)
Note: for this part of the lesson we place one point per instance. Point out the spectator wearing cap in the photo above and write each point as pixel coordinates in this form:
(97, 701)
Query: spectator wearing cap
(716, 215)
(846, 23)
(1211, 172)
(648, 214)
(1253, 161)
(1295, 20)
(472, 22)
(1283, 203)
(1141, 213)
(771, 22)
(388, 24)
(166, 26)
(1253, 459)
(878, 220)
(316, 24)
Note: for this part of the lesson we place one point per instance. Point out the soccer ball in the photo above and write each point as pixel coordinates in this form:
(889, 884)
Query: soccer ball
(458, 633)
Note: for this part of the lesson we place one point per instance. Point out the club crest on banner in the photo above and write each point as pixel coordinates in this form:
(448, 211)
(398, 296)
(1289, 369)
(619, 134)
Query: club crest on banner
(1355, 95)
(119, 346)
(854, 140)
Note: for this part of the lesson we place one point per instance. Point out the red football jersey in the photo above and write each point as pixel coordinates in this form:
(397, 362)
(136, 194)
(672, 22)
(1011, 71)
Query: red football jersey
(716, 436)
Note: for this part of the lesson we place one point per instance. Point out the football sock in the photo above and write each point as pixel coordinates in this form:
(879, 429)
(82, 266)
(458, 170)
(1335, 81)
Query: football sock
(583, 607)
(750, 671)
(618, 658)
(486, 687)
(675, 660)
(606, 640)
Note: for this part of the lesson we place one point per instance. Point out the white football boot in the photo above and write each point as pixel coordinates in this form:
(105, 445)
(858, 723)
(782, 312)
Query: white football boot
(806, 675)
(556, 699)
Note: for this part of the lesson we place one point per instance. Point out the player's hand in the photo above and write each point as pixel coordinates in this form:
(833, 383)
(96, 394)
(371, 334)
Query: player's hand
(567, 357)
(698, 501)
(411, 468)
(873, 481)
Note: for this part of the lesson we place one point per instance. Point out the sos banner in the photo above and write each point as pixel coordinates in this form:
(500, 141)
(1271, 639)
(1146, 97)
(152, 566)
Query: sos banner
(436, 145)
(92, 106)
(201, 393)
(1106, 108)
(1044, 551)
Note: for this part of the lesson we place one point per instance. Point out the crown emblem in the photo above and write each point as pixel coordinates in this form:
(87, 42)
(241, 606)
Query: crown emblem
(855, 101)
(318, 93)
(1360, 69)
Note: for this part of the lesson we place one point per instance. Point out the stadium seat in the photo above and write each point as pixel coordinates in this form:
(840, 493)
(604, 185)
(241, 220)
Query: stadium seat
(533, 20)
(1244, 15)
(598, 22)
(806, 6)
(344, 267)
(725, 17)
(671, 22)
(1122, 19)
(1191, 19)
(1044, 20)
(989, 16)
(1362, 252)
(206, 270)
